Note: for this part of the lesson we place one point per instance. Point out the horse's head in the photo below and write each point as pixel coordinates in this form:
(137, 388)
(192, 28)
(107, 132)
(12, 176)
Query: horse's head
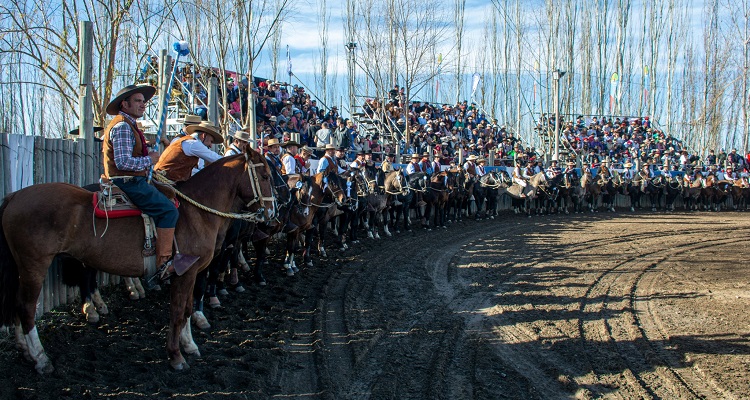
(302, 190)
(257, 193)
(334, 186)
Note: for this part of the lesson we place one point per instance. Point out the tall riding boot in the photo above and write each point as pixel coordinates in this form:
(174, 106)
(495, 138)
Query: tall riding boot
(165, 237)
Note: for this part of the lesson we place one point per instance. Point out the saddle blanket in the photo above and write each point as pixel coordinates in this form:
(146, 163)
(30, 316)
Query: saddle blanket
(114, 203)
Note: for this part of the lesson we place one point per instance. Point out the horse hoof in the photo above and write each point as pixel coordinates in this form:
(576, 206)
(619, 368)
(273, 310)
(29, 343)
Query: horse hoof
(200, 320)
(44, 368)
(134, 295)
(179, 365)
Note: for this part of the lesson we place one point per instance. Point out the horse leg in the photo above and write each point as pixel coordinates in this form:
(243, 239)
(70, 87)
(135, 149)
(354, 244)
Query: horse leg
(133, 293)
(322, 228)
(180, 310)
(27, 336)
(306, 246)
(199, 291)
(261, 259)
(291, 238)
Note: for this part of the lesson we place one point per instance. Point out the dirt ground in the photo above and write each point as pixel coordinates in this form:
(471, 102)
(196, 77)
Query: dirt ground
(622, 305)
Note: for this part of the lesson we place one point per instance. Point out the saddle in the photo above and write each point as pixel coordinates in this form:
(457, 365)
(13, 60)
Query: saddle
(111, 202)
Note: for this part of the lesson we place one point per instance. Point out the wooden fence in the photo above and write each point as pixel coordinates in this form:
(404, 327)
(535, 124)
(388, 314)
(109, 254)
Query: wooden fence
(27, 160)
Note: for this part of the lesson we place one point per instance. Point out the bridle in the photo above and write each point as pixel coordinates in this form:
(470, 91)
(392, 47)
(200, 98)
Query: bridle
(255, 186)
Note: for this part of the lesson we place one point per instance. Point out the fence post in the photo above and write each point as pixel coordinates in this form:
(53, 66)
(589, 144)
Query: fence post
(85, 100)
(213, 101)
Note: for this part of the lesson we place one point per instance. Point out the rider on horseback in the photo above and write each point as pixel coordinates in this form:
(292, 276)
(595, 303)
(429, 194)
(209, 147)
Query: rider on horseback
(178, 162)
(570, 173)
(553, 170)
(127, 162)
(519, 179)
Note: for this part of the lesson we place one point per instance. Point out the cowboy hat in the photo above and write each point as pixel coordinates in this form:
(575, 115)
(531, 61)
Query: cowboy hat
(242, 135)
(627, 165)
(272, 142)
(205, 127)
(191, 120)
(306, 149)
(425, 154)
(113, 108)
(415, 155)
(471, 158)
(481, 160)
(330, 147)
(290, 143)
(570, 163)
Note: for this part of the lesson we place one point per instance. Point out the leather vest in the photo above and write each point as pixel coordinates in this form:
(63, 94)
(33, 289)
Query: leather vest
(178, 165)
(108, 152)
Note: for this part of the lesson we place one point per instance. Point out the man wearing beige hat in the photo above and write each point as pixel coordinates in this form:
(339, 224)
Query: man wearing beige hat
(289, 163)
(470, 166)
(273, 150)
(303, 158)
(183, 156)
(187, 121)
(240, 140)
(328, 161)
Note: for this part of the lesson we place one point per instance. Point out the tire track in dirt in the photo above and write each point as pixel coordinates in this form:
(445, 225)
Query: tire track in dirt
(650, 326)
(372, 340)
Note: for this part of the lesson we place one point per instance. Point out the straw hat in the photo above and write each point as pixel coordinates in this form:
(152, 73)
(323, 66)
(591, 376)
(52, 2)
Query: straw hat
(242, 135)
(191, 120)
(306, 150)
(415, 155)
(330, 147)
(628, 164)
(272, 142)
(207, 128)
(471, 158)
(481, 160)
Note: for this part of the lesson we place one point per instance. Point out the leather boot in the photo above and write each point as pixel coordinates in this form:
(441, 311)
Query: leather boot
(164, 239)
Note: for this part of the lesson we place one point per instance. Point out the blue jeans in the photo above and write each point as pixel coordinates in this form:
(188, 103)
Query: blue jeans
(150, 200)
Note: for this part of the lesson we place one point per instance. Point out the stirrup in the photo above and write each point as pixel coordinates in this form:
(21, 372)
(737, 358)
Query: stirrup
(161, 275)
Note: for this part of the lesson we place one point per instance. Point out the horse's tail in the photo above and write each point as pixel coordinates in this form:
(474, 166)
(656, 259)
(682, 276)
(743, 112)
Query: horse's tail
(9, 280)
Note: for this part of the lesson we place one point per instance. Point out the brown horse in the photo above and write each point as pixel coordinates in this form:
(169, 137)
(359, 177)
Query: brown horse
(42, 221)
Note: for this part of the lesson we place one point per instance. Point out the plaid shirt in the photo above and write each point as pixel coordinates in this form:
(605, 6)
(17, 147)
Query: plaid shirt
(123, 142)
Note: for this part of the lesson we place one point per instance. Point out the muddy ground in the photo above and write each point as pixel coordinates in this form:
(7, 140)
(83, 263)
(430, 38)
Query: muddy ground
(604, 305)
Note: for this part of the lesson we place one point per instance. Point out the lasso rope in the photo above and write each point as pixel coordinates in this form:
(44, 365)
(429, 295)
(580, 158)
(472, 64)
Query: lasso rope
(252, 217)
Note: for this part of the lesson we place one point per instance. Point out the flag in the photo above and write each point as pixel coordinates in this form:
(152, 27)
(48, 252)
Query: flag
(476, 78)
(613, 92)
(288, 63)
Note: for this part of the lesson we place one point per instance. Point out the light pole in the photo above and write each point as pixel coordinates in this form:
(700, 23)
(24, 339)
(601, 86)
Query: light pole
(556, 75)
(351, 46)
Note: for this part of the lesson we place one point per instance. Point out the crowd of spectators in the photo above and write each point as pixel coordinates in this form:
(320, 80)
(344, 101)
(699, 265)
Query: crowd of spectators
(443, 131)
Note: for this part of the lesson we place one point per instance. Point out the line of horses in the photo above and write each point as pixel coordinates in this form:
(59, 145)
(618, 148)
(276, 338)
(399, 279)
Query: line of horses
(50, 222)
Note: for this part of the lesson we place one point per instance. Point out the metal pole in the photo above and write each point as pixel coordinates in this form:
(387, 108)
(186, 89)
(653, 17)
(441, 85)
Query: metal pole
(213, 101)
(351, 46)
(556, 79)
(85, 100)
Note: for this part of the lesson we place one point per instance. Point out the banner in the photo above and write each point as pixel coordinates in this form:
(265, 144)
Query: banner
(613, 92)
(288, 64)
(476, 78)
